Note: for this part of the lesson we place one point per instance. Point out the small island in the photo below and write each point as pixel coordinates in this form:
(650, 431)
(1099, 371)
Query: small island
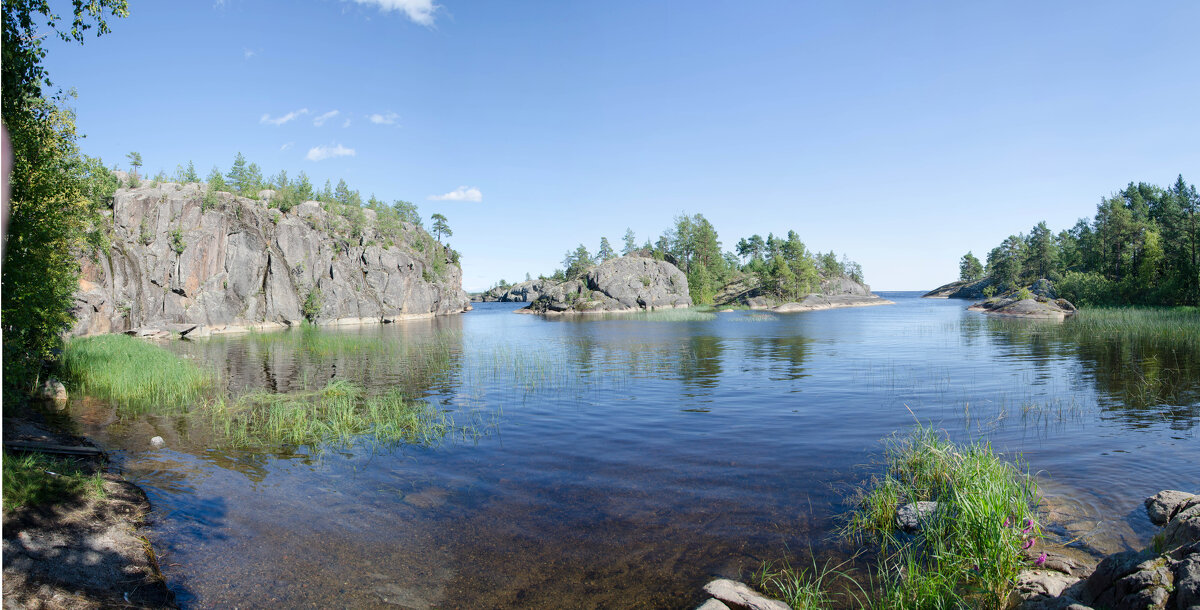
(686, 268)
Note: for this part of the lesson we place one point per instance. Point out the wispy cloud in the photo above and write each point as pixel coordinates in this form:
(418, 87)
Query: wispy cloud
(462, 193)
(419, 11)
(319, 121)
(320, 153)
(384, 119)
(346, 123)
(248, 53)
(287, 146)
(291, 116)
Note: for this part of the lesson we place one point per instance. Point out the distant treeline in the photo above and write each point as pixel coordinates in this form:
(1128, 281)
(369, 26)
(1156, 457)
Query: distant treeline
(1142, 247)
(782, 266)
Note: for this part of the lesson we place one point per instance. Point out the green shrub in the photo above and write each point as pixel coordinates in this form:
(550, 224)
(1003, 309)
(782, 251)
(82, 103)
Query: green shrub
(312, 304)
(177, 242)
(1087, 289)
(1023, 294)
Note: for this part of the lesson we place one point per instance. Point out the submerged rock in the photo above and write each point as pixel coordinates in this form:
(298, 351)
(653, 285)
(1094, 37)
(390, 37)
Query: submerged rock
(712, 604)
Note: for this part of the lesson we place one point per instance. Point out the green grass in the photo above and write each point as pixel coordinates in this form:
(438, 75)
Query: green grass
(1177, 325)
(33, 479)
(132, 373)
(969, 552)
(810, 587)
(688, 314)
(336, 415)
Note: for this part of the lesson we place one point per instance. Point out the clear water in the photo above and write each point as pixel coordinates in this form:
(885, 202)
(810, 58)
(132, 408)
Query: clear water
(623, 463)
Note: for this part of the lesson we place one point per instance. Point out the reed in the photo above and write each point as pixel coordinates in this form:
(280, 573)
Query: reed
(132, 373)
(339, 414)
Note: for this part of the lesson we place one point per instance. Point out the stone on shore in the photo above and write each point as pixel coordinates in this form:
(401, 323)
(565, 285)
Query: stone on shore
(911, 518)
(739, 595)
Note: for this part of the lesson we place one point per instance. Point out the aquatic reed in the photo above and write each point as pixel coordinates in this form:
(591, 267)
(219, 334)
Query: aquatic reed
(136, 375)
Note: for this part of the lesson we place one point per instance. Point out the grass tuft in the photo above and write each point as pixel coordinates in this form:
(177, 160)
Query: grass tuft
(810, 587)
(33, 479)
(970, 551)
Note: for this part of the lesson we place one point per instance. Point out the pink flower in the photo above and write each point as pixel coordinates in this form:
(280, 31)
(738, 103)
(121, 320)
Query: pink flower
(1040, 560)
(1028, 544)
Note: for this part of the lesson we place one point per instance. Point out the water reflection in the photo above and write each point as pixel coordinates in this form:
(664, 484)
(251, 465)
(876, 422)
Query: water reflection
(1140, 379)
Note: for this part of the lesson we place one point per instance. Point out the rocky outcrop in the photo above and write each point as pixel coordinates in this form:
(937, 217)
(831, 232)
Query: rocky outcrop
(814, 302)
(962, 289)
(1014, 306)
(629, 283)
(523, 292)
(835, 292)
(1165, 575)
(188, 263)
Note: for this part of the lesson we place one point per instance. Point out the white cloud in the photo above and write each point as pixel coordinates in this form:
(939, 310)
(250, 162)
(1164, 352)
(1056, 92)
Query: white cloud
(248, 53)
(384, 119)
(319, 121)
(286, 146)
(320, 153)
(462, 193)
(346, 123)
(419, 11)
(291, 116)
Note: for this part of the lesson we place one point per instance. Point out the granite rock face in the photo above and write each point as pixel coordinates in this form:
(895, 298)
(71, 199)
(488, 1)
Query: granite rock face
(180, 264)
(628, 283)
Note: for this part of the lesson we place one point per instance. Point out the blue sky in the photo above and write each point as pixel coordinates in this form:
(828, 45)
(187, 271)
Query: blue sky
(901, 134)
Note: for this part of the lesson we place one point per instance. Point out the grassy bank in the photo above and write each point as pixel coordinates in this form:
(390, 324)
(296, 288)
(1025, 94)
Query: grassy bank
(132, 373)
(33, 479)
(968, 551)
(139, 377)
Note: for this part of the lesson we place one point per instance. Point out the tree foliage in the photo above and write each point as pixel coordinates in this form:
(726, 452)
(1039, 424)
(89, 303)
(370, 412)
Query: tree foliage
(1141, 247)
(55, 190)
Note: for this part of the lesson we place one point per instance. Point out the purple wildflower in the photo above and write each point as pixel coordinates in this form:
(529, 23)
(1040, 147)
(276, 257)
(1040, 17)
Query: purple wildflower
(1040, 560)
(1028, 544)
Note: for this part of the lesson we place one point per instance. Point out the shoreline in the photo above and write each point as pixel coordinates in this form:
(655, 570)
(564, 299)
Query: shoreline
(84, 552)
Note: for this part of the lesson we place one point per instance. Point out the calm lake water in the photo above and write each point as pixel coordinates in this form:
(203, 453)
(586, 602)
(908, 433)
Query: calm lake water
(623, 463)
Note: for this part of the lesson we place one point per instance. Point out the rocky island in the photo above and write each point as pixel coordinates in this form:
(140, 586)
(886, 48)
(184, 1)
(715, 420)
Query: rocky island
(628, 283)
(182, 259)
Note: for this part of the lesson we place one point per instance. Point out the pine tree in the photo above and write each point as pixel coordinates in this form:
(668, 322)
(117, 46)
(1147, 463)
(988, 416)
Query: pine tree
(440, 227)
(236, 178)
(969, 268)
(630, 243)
(606, 252)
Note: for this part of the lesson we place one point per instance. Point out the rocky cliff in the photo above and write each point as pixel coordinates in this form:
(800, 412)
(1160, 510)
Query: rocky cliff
(629, 283)
(188, 261)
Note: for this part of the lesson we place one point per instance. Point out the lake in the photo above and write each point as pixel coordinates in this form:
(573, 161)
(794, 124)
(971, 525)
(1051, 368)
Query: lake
(625, 461)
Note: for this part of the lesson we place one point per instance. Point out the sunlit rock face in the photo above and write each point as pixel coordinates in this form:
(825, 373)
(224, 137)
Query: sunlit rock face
(176, 263)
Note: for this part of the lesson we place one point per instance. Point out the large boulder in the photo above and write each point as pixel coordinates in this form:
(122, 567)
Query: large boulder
(231, 263)
(629, 283)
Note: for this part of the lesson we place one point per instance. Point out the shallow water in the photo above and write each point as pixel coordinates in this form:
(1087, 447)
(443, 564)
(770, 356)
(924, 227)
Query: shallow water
(618, 463)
